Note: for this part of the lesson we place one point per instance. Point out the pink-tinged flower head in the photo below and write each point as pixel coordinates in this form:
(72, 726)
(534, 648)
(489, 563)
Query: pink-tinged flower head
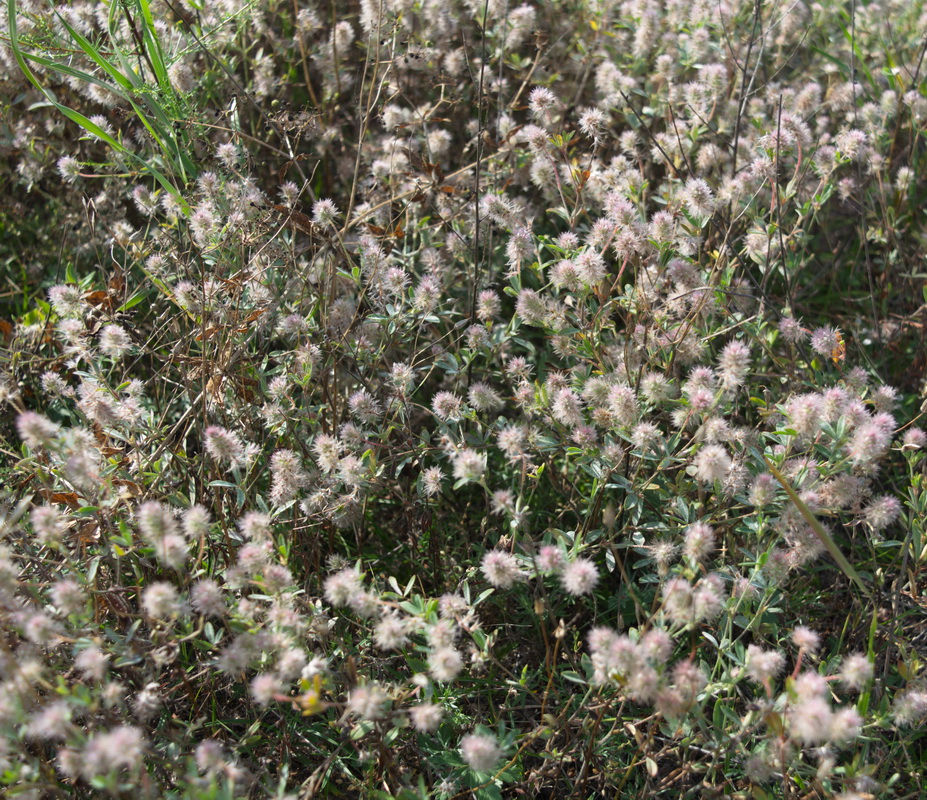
(806, 639)
(592, 122)
(483, 397)
(541, 102)
(469, 465)
(161, 601)
(447, 405)
(327, 449)
(698, 198)
(699, 541)
(69, 168)
(882, 512)
(810, 684)
(488, 305)
(68, 597)
(431, 481)
(762, 665)
(565, 275)
(914, 439)
(811, 721)
(656, 645)
(264, 686)
(224, 446)
(910, 708)
(601, 640)
(156, 521)
(884, 398)
(120, 748)
(426, 717)
(531, 307)
(579, 577)
(498, 208)
(550, 558)
(49, 524)
(36, 430)
(590, 267)
(734, 363)
(115, 341)
(196, 522)
(519, 247)
(825, 340)
(480, 751)
(342, 587)
(51, 723)
(66, 300)
(585, 436)
(712, 463)
(210, 756)
(390, 632)
(763, 490)
(806, 413)
(708, 598)
(324, 212)
(678, 599)
(566, 408)
(147, 703)
(445, 664)
(501, 569)
(869, 443)
(207, 598)
(368, 702)
(791, 330)
(655, 388)
(845, 725)
(622, 402)
(363, 406)
(689, 678)
(856, 671)
(646, 436)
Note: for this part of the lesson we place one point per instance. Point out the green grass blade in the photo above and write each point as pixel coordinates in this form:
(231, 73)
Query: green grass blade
(125, 83)
(153, 46)
(131, 84)
(76, 116)
(64, 69)
(819, 530)
(169, 147)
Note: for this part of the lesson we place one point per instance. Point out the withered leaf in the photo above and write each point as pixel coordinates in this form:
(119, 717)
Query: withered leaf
(295, 219)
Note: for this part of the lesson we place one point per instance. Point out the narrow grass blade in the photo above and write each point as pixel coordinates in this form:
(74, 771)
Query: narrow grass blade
(153, 46)
(125, 83)
(76, 116)
(819, 530)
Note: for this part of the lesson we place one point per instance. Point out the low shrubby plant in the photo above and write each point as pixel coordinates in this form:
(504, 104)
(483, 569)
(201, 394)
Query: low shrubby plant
(419, 399)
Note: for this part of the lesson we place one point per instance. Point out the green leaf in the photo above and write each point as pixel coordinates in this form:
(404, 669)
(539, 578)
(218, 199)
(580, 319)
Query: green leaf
(134, 300)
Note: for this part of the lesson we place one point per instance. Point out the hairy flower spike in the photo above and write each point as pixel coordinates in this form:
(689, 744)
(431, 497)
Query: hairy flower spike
(324, 212)
(36, 430)
(763, 665)
(501, 569)
(734, 364)
(225, 446)
(712, 463)
(541, 103)
(579, 577)
(480, 751)
(825, 340)
(699, 541)
(698, 198)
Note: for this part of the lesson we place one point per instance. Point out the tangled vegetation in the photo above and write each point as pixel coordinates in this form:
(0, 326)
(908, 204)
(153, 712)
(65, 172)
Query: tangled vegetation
(463, 398)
